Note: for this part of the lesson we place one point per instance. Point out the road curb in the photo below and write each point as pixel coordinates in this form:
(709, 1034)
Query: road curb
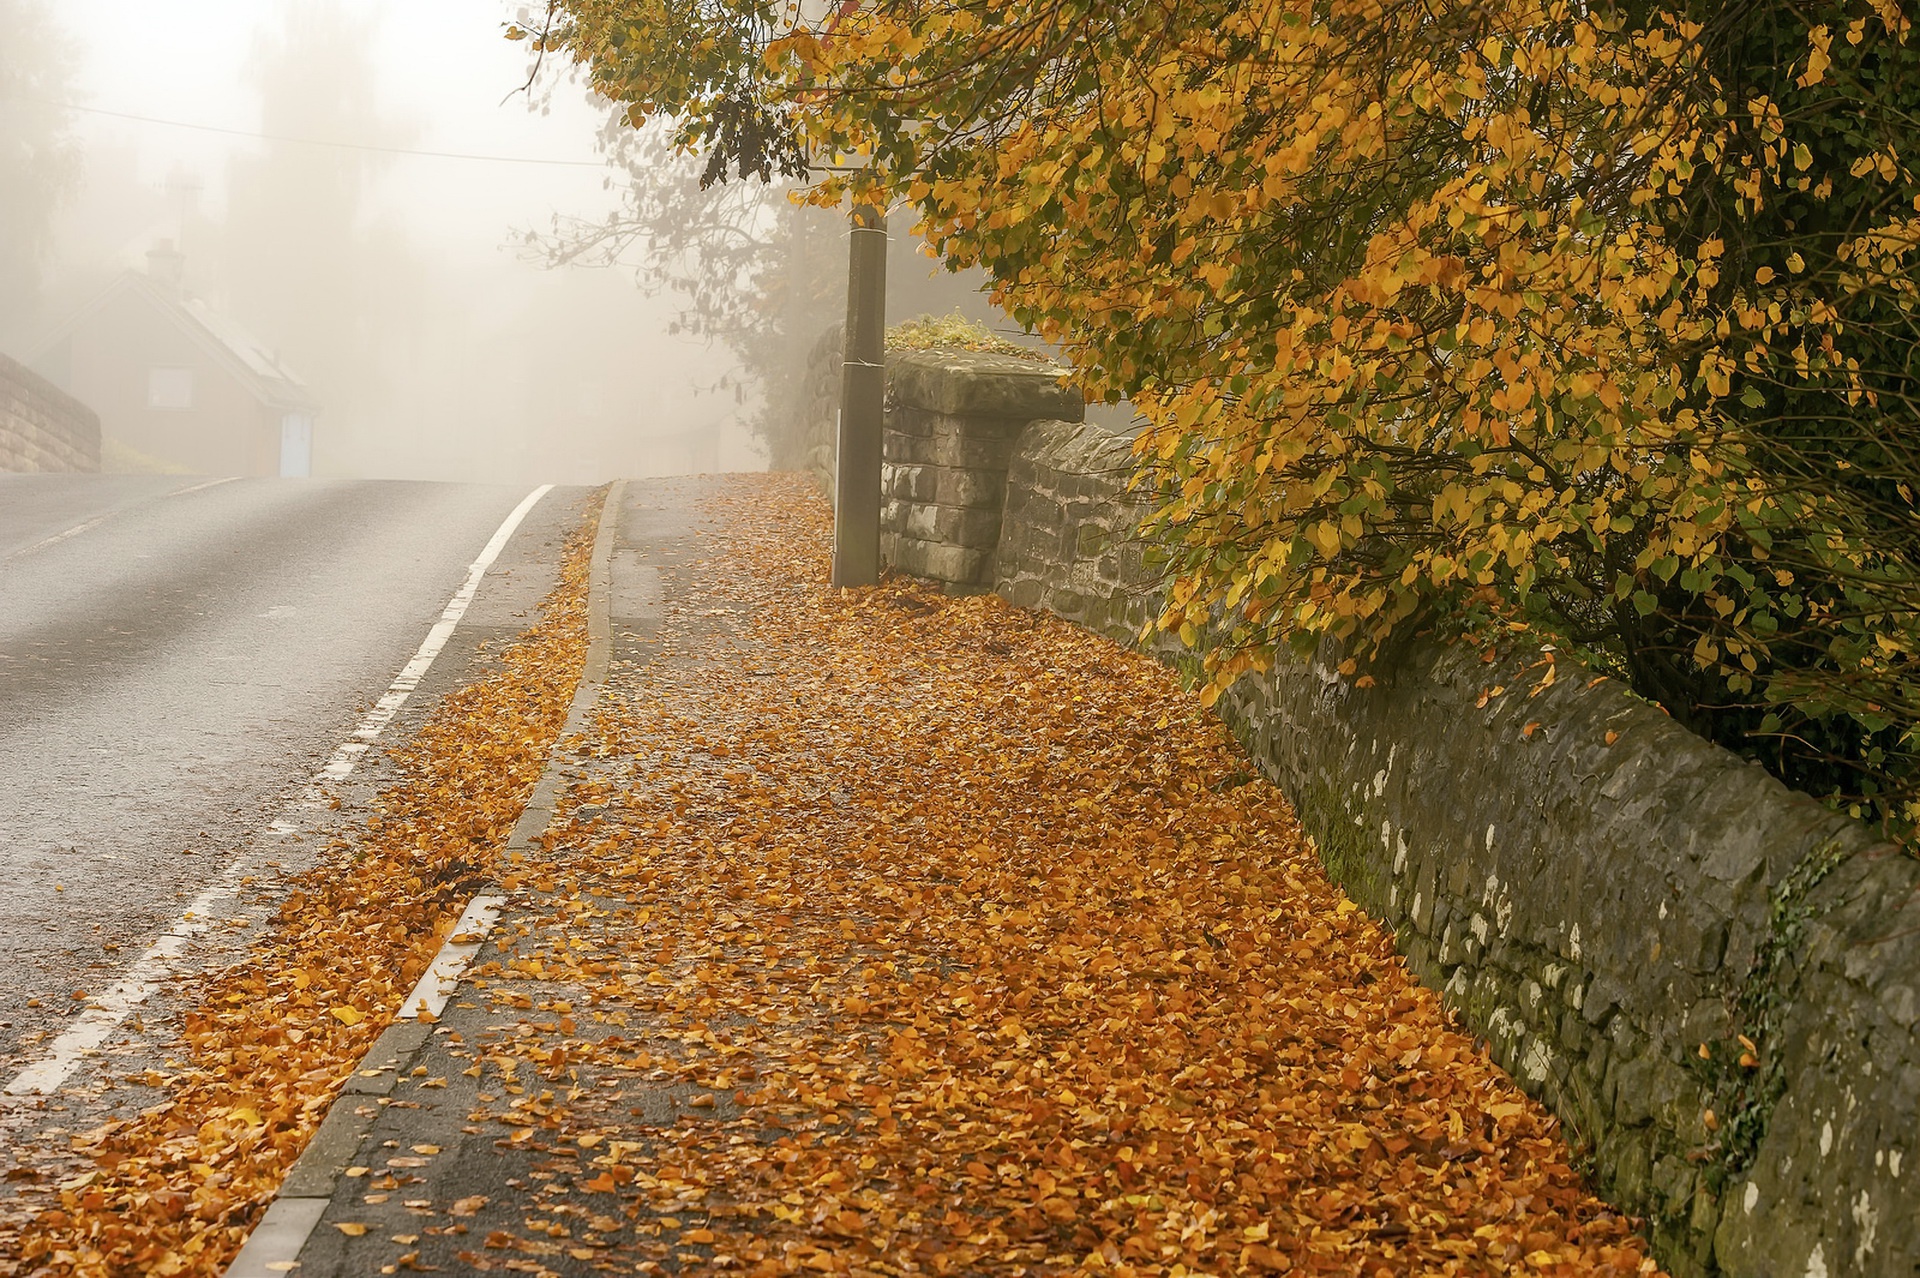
(273, 1250)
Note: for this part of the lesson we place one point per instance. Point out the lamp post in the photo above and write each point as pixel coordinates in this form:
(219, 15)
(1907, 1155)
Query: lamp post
(863, 396)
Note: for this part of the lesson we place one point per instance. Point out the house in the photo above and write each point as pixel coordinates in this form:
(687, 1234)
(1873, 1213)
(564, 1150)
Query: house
(176, 382)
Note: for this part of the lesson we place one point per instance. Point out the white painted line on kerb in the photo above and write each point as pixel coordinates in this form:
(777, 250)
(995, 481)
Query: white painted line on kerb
(91, 1027)
(442, 977)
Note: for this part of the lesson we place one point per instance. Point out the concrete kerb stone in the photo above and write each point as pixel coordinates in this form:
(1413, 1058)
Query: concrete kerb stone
(277, 1241)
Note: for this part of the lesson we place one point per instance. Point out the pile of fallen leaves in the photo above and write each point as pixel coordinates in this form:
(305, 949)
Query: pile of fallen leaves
(941, 938)
(177, 1189)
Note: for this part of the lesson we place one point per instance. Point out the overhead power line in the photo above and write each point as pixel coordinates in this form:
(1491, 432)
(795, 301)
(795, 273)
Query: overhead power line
(338, 146)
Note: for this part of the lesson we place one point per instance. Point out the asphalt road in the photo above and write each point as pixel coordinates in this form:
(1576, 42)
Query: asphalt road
(178, 657)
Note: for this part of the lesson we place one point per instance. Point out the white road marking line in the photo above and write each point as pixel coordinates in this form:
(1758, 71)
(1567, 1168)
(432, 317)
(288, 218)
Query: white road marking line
(97, 520)
(202, 487)
(91, 1027)
(277, 1241)
(59, 537)
(442, 977)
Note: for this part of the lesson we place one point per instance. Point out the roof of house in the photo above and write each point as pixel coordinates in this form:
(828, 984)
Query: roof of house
(251, 362)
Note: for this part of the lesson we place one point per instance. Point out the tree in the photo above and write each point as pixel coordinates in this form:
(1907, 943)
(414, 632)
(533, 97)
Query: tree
(1586, 320)
(753, 270)
(39, 163)
(303, 258)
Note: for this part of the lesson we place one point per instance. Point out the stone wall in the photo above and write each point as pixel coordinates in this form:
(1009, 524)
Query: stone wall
(42, 428)
(1067, 540)
(952, 419)
(1602, 896)
(1612, 902)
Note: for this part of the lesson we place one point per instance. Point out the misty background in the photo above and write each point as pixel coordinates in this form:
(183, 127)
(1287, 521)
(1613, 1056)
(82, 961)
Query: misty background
(474, 282)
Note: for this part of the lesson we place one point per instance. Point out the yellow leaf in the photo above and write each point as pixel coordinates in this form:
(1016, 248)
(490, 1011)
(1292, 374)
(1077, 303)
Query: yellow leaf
(347, 1015)
(351, 1228)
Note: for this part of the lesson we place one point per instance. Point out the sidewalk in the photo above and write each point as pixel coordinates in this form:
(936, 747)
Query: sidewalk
(888, 933)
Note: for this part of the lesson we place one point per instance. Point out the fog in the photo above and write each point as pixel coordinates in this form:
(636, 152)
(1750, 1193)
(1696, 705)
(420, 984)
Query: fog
(345, 206)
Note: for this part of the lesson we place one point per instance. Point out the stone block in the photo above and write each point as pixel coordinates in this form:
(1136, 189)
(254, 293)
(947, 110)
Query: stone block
(982, 384)
(910, 483)
(975, 529)
(1026, 593)
(983, 453)
(936, 561)
(982, 489)
(1092, 540)
(1070, 604)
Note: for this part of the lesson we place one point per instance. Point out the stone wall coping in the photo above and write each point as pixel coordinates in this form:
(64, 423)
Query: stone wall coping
(981, 384)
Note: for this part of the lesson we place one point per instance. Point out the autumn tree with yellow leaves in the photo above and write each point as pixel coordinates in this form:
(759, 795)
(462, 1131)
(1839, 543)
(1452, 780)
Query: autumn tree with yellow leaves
(1594, 321)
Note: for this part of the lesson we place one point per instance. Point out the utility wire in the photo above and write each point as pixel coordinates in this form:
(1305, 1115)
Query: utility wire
(340, 146)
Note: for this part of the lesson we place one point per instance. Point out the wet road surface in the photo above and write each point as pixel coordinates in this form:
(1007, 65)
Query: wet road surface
(177, 658)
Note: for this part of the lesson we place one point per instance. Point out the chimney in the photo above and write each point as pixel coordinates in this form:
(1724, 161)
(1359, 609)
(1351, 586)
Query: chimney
(166, 267)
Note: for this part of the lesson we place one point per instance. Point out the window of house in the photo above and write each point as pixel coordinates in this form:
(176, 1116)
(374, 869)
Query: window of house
(169, 387)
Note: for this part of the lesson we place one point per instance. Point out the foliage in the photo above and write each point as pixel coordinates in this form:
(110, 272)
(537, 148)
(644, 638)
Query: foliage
(39, 163)
(954, 332)
(1591, 320)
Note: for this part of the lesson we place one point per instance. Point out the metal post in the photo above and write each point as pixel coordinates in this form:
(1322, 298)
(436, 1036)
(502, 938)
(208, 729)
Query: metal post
(863, 395)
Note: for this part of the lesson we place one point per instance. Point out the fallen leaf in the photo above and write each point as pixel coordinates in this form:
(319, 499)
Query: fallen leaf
(1092, 981)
